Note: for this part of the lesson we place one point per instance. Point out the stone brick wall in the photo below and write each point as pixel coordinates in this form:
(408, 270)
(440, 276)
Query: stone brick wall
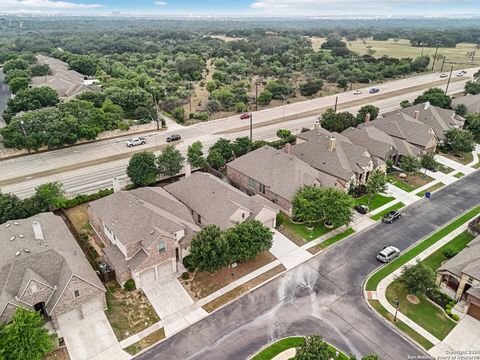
(7, 313)
(156, 257)
(36, 293)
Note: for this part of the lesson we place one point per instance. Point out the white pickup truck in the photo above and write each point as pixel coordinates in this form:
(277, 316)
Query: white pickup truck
(136, 141)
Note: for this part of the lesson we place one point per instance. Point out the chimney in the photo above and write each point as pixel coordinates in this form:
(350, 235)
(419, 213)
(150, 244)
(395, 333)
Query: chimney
(367, 117)
(117, 186)
(416, 115)
(316, 125)
(188, 170)
(37, 231)
(331, 144)
(287, 148)
(426, 105)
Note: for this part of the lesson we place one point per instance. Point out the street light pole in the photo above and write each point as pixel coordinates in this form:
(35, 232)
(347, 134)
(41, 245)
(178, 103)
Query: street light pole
(397, 305)
(156, 107)
(448, 82)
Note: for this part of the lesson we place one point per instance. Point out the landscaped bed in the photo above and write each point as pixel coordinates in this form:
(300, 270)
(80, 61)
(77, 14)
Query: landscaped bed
(299, 233)
(463, 158)
(203, 283)
(129, 312)
(431, 189)
(239, 290)
(459, 175)
(386, 211)
(445, 169)
(411, 182)
(376, 202)
(331, 241)
(147, 341)
(288, 343)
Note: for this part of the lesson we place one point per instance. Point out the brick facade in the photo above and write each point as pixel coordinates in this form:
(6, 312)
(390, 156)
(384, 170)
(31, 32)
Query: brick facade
(155, 257)
(7, 314)
(36, 292)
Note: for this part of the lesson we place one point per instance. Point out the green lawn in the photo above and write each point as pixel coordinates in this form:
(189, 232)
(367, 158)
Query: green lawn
(381, 213)
(465, 159)
(299, 233)
(288, 343)
(377, 201)
(459, 175)
(411, 182)
(426, 314)
(477, 165)
(401, 325)
(445, 169)
(399, 183)
(373, 281)
(431, 189)
(458, 243)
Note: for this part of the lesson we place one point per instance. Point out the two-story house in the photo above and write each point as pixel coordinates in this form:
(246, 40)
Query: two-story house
(146, 232)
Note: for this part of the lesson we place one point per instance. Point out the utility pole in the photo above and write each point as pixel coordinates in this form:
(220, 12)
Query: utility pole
(336, 103)
(156, 107)
(251, 125)
(435, 56)
(443, 63)
(448, 82)
(256, 95)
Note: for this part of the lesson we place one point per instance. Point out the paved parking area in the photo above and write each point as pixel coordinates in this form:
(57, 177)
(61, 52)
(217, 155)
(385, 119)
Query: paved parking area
(91, 338)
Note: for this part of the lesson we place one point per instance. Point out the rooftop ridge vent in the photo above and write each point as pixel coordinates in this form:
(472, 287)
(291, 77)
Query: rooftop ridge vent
(27, 251)
(18, 253)
(16, 223)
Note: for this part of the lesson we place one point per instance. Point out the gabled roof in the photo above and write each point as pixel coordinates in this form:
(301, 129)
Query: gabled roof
(280, 172)
(466, 261)
(439, 119)
(403, 126)
(216, 201)
(51, 261)
(377, 142)
(472, 102)
(345, 160)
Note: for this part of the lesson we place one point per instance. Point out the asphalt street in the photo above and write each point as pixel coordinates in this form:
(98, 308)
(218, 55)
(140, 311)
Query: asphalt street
(19, 175)
(323, 295)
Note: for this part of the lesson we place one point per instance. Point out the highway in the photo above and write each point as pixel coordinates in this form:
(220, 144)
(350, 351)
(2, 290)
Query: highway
(92, 166)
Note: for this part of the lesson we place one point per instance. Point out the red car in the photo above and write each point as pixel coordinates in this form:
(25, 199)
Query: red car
(245, 116)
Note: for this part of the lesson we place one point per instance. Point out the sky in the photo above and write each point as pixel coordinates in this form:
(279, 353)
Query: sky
(248, 7)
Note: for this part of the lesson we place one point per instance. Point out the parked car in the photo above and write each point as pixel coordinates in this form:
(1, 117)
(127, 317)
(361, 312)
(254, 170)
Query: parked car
(388, 253)
(444, 75)
(362, 209)
(374, 90)
(391, 216)
(174, 137)
(136, 141)
(357, 92)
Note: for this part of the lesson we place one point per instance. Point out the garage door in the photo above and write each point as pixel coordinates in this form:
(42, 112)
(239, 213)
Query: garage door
(165, 270)
(91, 307)
(147, 276)
(474, 311)
(69, 317)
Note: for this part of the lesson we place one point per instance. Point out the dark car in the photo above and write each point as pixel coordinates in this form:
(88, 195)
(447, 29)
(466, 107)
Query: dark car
(374, 90)
(174, 137)
(391, 216)
(362, 209)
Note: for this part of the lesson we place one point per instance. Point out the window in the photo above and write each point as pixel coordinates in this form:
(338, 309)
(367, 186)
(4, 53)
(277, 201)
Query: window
(262, 188)
(252, 183)
(161, 246)
(76, 293)
(275, 199)
(199, 219)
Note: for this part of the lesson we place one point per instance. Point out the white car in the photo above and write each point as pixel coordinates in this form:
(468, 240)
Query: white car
(444, 75)
(357, 92)
(388, 253)
(136, 141)
(461, 73)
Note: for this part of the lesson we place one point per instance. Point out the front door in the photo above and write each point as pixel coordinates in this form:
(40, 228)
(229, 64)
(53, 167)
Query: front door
(40, 307)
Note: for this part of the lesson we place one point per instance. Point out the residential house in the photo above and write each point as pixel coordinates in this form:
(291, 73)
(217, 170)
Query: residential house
(472, 102)
(213, 201)
(335, 155)
(439, 119)
(275, 175)
(459, 277)
(146, 232)
(42, 268)
(68, 83)
(401, 126)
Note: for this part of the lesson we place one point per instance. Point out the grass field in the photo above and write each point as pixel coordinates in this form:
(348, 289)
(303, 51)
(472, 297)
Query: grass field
(459, 175)
(377, 201)
(299, 233)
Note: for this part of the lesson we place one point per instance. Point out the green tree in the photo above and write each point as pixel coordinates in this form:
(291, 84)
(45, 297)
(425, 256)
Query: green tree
(279, 89)
(16, 73)
(225, 147)
(336, 206)
(215, 159)
(472, 87)
(242, 145)
(337, 122)
(9, 207)
(209, 250)
(85, 65)
(370, 357)
(460, 140)
(428, 162)
(410, 164)
(306, 204)
(461, 109)
(142, 169)
(25, 338)
(314, 348)
(284, 134)
(376, 183)
(15, 64)
(40, 70)
(472, 124)
(32, 99)
(247, 240)
(170, 161)
(405, 104)
(265, 97)
(418, 278)
(49, 196)
(311, 87)
(18, 83)
(195, 155)
(436, 97)
(367, 109)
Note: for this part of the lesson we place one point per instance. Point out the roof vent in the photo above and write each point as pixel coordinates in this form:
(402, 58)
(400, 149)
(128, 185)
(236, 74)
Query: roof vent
(21, 236)
(37, 230)
(15, 223)
(8, 225)
(12, 238)
(18, 253)
(426, 105)
(27, 251)
(152, 232)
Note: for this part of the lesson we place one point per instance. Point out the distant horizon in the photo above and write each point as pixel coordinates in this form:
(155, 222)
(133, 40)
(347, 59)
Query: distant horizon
(247, 8)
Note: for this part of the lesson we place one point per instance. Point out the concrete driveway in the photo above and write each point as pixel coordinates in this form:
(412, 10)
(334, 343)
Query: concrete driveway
(91, 338)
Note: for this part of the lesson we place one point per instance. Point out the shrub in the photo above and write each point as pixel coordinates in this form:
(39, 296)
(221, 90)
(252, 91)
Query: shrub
(187, 261)
(448, 311)
(191, 269)
(451, 303)
(455, 317)
(448, 307)
(129, 285)
(185, 275)
(280, 219)
(449, 252)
